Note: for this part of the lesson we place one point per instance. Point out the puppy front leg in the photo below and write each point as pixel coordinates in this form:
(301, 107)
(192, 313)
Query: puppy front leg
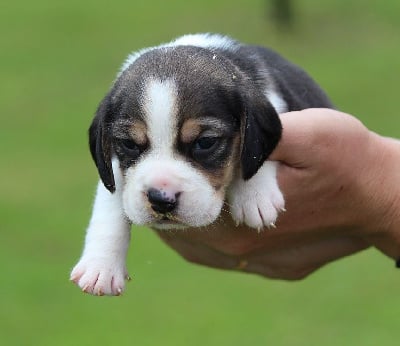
(257, 201)
(102, 266)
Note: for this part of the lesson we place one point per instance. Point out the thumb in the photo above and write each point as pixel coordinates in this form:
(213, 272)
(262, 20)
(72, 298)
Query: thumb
(302, 130)
(295, 136)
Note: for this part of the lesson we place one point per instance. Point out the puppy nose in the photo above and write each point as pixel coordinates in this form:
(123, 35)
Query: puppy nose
(161, 201)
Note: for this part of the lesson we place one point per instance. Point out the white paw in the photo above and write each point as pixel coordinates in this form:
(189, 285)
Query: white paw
(99, 276)
(258, 201)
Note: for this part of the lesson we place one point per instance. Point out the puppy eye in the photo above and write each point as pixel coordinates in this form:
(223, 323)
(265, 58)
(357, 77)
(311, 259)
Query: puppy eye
(129, 144)
(131, 148)
(205, 143)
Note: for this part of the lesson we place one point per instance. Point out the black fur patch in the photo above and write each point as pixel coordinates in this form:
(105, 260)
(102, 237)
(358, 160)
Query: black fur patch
(100, 142)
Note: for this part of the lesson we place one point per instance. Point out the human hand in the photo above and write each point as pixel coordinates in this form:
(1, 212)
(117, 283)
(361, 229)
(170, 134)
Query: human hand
(340, 185)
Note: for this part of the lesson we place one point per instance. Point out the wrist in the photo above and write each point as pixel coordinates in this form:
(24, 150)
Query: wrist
(384, 198)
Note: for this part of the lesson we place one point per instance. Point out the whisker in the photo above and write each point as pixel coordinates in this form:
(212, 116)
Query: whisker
(228, 211)
(227, 204)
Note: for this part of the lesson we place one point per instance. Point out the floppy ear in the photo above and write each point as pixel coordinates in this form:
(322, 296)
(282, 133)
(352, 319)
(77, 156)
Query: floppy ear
(261, 131)
(100, 143)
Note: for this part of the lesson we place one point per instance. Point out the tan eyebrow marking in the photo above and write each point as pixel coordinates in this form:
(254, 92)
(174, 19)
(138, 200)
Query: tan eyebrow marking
(193, 127)
(138, 132)
(190, 130)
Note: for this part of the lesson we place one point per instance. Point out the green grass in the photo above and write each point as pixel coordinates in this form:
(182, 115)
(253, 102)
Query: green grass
(57, 60)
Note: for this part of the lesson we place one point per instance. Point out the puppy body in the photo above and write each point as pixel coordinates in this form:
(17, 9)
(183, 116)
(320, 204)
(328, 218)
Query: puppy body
(186, 126)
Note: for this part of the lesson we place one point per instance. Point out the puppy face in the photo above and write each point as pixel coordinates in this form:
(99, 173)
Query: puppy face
(176, 165)
(180, 121)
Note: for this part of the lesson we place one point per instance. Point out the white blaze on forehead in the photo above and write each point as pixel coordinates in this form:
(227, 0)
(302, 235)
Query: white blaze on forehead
(160, 106)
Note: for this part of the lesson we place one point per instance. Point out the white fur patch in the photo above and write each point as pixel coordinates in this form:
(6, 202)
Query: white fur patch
(160, 112)
(199, 204)
(277, 101)
(101, 268)
(257, 201)
(205, 41)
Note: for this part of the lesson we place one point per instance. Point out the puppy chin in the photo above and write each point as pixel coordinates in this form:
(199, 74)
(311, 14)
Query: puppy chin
(199, 203)
(168, 226)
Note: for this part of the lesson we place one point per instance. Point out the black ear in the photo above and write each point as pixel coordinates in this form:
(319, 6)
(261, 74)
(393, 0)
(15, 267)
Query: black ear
(100, 143)
(261, 132)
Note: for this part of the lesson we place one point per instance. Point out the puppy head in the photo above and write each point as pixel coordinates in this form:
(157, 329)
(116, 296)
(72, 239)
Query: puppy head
(180, 121)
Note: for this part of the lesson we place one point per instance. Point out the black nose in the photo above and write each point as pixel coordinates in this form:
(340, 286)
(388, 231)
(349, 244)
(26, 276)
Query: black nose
(161, 202)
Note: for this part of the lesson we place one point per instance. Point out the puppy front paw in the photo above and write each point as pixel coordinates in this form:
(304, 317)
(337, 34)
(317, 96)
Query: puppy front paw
(258, 201)
(99, 276)
(257, 208)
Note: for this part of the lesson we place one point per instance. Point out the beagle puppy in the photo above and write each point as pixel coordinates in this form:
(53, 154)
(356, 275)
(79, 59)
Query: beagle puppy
(186, 127)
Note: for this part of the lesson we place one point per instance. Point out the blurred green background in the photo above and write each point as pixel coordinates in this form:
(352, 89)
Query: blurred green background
(57, 60)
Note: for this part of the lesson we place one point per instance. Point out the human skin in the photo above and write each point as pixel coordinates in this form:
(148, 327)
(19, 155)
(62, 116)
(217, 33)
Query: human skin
(341, 184)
